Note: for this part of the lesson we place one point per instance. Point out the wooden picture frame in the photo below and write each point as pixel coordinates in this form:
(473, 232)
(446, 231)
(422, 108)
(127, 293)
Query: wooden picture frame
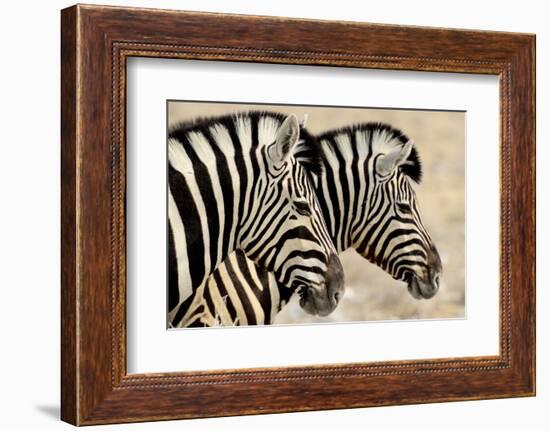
(96, 41)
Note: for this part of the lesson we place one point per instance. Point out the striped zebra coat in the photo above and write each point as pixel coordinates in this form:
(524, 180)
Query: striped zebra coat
(244, 182)
(368, 203)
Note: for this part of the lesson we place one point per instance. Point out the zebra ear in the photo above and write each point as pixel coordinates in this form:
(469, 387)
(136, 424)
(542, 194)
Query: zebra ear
(287, 137)
(387, 163)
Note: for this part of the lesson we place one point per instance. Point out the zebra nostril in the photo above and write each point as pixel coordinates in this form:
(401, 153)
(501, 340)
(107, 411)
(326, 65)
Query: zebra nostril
(336, 297)
(436, 281)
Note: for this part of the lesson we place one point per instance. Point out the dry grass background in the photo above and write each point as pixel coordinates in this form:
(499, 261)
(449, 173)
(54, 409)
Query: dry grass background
(371, 294)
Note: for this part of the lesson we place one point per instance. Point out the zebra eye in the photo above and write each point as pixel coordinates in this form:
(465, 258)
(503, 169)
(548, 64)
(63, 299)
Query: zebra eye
(404, 208)
(302, 207)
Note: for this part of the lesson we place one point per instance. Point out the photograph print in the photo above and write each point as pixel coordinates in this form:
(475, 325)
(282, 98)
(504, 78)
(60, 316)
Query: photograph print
(296, 214)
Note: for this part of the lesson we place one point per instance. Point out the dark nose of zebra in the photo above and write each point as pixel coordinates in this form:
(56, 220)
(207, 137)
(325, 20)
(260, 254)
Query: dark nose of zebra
(426, 285)
(434, 265)
(334, 280)
(322, 300)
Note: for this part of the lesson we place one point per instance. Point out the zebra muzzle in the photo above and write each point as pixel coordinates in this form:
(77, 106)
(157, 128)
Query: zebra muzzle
(321, 300)
(420, 290)
(426, 287)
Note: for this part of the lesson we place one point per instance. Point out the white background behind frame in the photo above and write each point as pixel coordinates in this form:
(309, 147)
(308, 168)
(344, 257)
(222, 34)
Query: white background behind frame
(34, 400)
(151, 348)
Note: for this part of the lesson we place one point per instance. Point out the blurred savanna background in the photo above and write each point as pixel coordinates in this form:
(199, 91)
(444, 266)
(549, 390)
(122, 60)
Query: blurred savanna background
(371, 294)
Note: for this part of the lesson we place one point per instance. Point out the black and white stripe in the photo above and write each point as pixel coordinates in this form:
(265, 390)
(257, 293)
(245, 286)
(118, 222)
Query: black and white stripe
(244, 182)
(368, 202)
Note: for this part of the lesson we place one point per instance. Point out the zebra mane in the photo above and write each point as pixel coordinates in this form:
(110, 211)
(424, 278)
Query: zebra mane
(412, 168)
(203, 123)
(307, 152)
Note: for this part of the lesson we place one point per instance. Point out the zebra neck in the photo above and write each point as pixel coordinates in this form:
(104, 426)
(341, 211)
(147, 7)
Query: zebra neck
(342, 194)
(254, 203)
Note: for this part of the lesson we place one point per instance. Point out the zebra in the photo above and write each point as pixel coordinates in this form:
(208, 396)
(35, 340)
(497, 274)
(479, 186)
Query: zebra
(243, 181)
(368, 203)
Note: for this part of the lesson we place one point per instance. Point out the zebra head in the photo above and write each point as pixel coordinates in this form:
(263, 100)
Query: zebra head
(284, 230)
(392, 234)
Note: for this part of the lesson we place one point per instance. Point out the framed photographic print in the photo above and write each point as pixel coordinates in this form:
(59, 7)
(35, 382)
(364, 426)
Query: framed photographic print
(253, 205)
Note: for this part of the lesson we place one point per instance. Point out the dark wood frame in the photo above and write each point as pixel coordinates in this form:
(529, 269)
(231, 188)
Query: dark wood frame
(95, 43)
